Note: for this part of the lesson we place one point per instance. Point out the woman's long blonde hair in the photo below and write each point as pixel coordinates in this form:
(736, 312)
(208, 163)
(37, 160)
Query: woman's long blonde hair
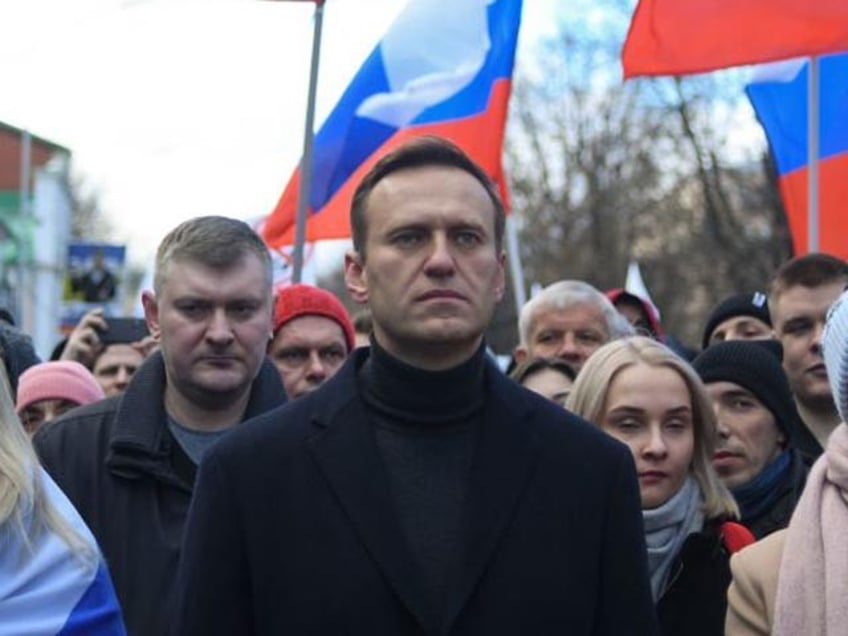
(589, 394)
(24, 506)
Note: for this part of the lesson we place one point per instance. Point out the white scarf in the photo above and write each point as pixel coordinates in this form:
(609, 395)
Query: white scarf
(666, 529)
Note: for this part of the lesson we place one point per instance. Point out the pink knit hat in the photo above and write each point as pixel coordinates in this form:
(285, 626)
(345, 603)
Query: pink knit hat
(298, 300)
(59, 380)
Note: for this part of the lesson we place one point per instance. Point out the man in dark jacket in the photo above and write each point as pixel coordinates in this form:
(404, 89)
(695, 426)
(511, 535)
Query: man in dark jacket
(128, 463)
(759, 429)
(418, 491)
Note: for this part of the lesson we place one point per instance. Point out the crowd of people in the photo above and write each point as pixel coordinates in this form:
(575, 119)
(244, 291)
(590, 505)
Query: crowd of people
(261, 462)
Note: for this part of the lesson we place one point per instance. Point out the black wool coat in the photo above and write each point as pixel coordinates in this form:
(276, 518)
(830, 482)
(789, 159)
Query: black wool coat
(132, 483)
(695, 600)
(293, 531)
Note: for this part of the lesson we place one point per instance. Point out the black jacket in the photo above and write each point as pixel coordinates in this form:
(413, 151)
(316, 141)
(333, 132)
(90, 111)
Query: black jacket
(695, 599)
(778, 515)
(293, 529)
(130, 480)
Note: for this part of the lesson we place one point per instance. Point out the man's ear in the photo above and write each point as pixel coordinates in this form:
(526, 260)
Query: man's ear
(520, 354)
(500, 285)
(274, 297)
(151, 313)
(356, 279)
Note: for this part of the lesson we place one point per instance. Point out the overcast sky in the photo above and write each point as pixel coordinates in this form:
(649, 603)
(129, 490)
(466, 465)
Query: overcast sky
(176, 108)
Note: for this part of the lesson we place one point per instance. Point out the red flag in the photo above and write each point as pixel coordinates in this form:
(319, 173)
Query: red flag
(677, 37)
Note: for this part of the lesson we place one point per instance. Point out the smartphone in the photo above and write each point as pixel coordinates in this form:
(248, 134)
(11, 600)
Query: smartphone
(124, 331)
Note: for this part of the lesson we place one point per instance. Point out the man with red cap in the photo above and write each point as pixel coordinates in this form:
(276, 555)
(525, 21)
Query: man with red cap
(313, 336)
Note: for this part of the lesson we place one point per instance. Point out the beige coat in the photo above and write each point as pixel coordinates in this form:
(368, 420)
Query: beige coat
(750, 599)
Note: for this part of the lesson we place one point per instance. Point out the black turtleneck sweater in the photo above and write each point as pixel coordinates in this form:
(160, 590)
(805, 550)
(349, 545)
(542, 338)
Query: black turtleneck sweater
(426, 425)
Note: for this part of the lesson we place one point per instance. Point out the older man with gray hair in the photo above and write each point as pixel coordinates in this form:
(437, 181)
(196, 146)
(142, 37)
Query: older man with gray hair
(569, 319)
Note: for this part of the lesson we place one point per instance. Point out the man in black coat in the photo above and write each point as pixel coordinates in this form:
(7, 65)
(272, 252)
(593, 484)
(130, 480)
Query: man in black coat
(418, 491)
(128, 463)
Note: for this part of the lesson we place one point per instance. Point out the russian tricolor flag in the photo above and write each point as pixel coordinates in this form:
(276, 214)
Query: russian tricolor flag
(46, 585)
(443, 68)
(779, 97)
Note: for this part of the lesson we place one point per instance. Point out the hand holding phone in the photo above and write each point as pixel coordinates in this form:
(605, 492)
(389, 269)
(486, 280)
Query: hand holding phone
(123, 331)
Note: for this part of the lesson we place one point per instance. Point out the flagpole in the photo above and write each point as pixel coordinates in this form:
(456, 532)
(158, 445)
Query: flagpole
(25, 209)
(813, 155)
(515, 268)
(306, 159)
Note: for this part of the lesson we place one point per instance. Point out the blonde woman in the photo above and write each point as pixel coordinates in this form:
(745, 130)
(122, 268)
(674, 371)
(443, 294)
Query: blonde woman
(640, 392)
(52, 578)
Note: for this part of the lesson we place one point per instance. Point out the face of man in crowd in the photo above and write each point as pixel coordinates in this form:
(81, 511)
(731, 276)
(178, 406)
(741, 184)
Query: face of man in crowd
(431, 272)
(114, 368)
(307, 351)
(572, 333)
(635, 315)
(749, 437)
(799, 315)
(213, 326)
(549, 383)
(741, 328)
(650, 410)
(38, 413)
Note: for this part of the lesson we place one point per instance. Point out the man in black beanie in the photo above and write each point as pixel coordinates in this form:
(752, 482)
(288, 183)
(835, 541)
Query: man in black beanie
(760, 453)
(739, 317)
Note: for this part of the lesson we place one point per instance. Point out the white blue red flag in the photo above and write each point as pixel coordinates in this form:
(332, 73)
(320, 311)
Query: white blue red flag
(48, 587)
(443, 68)
(780, 100)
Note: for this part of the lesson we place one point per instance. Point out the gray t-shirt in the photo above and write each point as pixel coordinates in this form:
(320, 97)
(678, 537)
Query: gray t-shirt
(195, 443)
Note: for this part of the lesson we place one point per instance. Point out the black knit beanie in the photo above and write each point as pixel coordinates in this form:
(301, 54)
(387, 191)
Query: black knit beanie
(754, 304)
(755, 365)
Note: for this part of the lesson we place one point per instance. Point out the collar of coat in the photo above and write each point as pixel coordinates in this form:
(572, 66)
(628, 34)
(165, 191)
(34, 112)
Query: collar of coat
(140, 442)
